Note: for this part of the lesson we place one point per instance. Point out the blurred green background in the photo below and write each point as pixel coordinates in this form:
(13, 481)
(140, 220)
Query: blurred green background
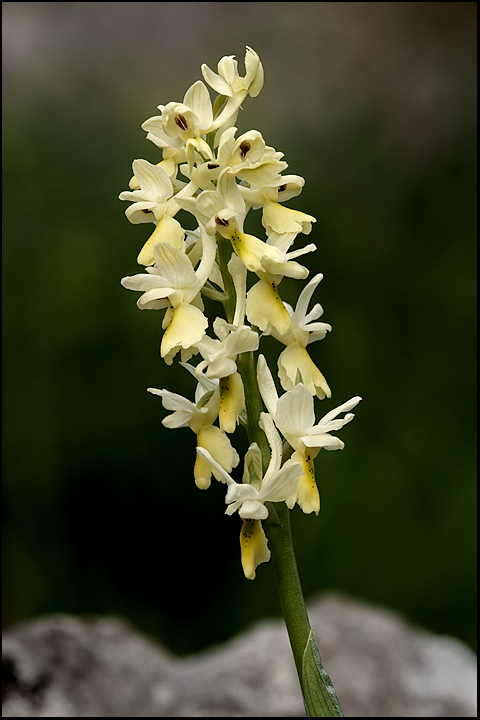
(374, 104)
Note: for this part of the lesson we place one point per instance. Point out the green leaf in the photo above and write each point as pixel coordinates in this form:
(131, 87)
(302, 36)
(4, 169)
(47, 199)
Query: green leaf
(319, 694)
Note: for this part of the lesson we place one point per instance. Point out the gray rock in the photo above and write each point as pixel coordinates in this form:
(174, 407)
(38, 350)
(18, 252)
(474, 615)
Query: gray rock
(62, 666)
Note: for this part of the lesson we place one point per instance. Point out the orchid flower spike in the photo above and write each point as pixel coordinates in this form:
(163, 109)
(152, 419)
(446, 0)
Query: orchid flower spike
(216, 174)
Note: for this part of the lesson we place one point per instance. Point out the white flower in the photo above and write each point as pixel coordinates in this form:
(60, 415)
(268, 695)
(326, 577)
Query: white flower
(153, 202)
(225, 201)
(228, 83)
(277, 485)
(173, 283)
(277, 219)
(295, 361)
(199, 417)
(154, 195)
(305, 327)
(183, 124)
(280, 189)
(253, 542)
(186, 413)
(294, 415)
(220, 355)
(295, 418)
(249, 158)
(223, 211)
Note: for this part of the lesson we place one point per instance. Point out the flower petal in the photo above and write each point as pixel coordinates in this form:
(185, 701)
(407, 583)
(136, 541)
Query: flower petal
(186, 328)
(174, 265)
(232, 401)
(254, 547)
(349, 405)
(167, 230)
(216, 455)
(198, 99)
(267, 386)
(295, 413)
(323, 440)
(265, 308)
(275, 442)
(216, 82)
(282, 484)
(295, 359)
(306, 493)
(254, 75)
(154, 181)
(144, 281)
(253, 510)
(154, 299)
(281, 219)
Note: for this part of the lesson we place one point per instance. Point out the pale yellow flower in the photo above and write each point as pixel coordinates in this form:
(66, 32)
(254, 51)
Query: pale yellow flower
(219, 361)
(227, 82)
(153, 202)
(294, 416)
(249, 158)
(295, 363)
(173, 283)
(277, 485)
(183, 125)
(199, 417)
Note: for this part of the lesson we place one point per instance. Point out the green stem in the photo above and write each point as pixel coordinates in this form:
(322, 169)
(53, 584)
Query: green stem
(288, 582)
(318, 692)
(224, 253)
(253, 404)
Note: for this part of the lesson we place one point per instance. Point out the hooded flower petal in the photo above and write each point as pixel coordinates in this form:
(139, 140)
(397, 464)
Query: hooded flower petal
(220, 355)
(198, 99)
(180, 123)
(295, 414)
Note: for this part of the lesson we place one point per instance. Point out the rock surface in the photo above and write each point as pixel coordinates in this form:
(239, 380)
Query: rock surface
(63, 666)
